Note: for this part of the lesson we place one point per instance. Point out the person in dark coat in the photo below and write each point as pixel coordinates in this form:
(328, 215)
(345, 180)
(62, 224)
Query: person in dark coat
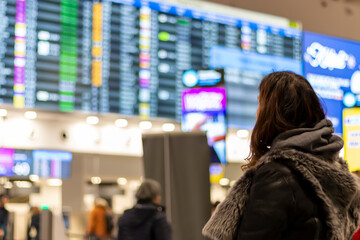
(4, 216)
(34, 227)
(146, 220)
(295, 186)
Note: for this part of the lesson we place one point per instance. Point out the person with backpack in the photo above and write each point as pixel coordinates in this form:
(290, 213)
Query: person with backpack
(146, 220)
(97, 224)
(34, 226)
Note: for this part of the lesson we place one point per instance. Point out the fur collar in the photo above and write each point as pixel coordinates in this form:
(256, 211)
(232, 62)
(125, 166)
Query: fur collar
(335, 187)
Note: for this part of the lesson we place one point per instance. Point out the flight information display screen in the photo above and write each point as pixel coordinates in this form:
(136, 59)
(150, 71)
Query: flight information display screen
(43, 163)
(262, 51)
(52, 164)
(124, 56)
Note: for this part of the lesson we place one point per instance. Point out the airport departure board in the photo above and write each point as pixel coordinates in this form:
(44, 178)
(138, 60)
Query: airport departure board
(43, 163)
(123, 56)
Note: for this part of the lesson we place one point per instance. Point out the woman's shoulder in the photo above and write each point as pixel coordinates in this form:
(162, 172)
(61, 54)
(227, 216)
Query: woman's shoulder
(272, 169)
(277, 176)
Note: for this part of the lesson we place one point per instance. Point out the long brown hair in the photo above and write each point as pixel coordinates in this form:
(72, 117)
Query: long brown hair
(286, 101)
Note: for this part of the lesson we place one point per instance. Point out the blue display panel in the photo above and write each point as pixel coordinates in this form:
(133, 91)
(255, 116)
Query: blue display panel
(122, 56)
(43, 163)
(23, 164)
(245, 68)
(332, 66)
(52, 164)
(224, 57)
(203, 78)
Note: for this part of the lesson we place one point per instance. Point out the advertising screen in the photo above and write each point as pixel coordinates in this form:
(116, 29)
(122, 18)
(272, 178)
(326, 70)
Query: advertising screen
(125, 56)
(6, 161)
(352, 138)
(205, 109)
(203, 78)
(15, 162)
(332, 66)
(23, 165)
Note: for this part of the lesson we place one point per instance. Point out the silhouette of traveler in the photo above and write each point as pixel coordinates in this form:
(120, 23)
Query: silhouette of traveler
(97, 226)
(34, 226)
(295, 185)
(4, 216)
(146, 220)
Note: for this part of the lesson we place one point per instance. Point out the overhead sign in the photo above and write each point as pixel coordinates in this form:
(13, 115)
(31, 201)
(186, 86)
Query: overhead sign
(332, 66)
(203, 78)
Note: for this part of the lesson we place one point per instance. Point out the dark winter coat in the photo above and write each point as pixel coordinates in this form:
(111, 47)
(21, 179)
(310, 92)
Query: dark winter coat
(4, 218)
(300, 189)
(35, 223)
(144, 222)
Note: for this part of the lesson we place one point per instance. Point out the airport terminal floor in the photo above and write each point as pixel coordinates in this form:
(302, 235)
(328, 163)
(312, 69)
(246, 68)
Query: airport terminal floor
(171, 119)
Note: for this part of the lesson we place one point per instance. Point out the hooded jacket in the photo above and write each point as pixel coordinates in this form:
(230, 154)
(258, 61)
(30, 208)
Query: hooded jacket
(144, 222)
(300, 189)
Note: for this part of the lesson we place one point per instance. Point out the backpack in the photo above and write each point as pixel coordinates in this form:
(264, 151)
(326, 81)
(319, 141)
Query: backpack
(109, 223)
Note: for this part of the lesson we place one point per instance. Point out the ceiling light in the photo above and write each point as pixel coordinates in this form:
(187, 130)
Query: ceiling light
(3, 112)
(224, 181)
(92, 120)
(54, 182)
(121, 123)
(23, 184)
(8, 185)
(168, 127)
(34, 178)
(121, 181)
(242, 133)
(145, 125)
(30, 115)
(96, 180)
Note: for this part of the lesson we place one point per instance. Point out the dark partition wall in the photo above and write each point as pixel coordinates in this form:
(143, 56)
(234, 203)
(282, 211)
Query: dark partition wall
(180, 162)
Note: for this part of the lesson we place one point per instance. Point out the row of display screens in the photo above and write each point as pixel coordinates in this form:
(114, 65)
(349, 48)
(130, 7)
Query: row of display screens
(331, 65)
(127, 57)
(43, 163)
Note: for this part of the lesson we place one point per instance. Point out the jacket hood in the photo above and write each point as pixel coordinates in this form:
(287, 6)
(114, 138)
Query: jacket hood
(139, 215)
(318, 140)
(323, 163)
